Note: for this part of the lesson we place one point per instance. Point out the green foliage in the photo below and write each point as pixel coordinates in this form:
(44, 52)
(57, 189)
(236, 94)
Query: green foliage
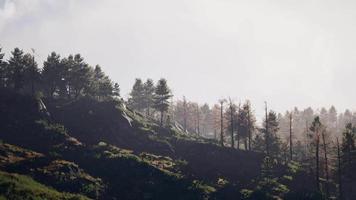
(14, 186)
(142, 96)
(348, 139)
(3, 70)
(137, 96)
(16, 70)
(67, 78)
(68, 176)
(162, 95)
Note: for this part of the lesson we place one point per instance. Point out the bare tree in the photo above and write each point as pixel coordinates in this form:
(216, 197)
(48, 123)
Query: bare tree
(198, 119)
(185, 114)
(222, 101)
(290, 137)
(267, 134)
(232, 112)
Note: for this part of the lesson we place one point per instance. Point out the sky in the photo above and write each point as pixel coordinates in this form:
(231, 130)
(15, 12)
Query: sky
(286, 52)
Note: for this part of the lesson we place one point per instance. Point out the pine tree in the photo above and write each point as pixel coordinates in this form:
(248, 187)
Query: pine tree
(161, 98)
(271, 138)
(348, 142)
(31, 72)
(3, 71)
(52, 74)
(116, 90)
(79, 76)
(16, 69)
(137, 95)
(101, 85)
(326, 163)
(316, 128)
(148, 93)
(245, 125)
(339, 172)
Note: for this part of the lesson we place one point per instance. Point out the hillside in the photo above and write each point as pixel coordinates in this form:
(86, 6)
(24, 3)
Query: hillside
(102, 150)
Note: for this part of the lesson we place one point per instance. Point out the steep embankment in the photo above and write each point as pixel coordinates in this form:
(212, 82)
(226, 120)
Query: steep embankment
(100, 171)
(101, 150)
(93, 121)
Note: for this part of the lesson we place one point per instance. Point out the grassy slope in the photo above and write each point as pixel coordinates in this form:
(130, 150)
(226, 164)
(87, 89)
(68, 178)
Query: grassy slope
(113, 124)
(16, 187)
(125, 175)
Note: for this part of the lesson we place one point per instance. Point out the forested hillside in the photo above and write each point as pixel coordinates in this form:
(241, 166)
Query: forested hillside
(66, 133)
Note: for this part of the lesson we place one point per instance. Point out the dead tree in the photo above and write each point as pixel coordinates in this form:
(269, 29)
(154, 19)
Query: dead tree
(249, 130)
(222, 101)
(232, 123)
(267, 134)
(290, 138)
(198, 119)
(238, 127)
(184, 114)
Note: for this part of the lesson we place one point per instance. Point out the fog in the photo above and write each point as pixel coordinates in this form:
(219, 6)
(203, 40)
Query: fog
(289, 53)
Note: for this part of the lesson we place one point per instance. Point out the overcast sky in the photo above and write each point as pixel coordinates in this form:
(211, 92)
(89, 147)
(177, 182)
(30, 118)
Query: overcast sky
(287, 52)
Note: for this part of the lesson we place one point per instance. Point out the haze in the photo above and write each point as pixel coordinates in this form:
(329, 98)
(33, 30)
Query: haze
(289, 53)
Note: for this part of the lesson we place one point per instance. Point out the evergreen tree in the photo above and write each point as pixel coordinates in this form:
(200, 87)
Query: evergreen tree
(79, 76)
(149, 90)
(271, 137)
(245, 124)
(348, 142)
(3, 70)
(16, 69)
(100, 85)
(316, 128)
(136, 101)
(31, 72)
(106, 88)
(116, 90)
(162, 95)
(53, 73)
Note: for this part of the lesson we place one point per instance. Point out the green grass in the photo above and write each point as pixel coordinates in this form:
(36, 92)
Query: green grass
(15, 186)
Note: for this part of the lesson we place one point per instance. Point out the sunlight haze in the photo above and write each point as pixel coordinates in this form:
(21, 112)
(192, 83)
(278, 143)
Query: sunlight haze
(289, 53)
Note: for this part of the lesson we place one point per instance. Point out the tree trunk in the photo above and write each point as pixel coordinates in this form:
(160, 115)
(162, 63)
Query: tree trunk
(317, 163)
(221, 125)
(290, 138)
(249, 130)
(198, 116)
(267, 134)
(326, 167)
(232, 126)
(339, 169)
(161, 118)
